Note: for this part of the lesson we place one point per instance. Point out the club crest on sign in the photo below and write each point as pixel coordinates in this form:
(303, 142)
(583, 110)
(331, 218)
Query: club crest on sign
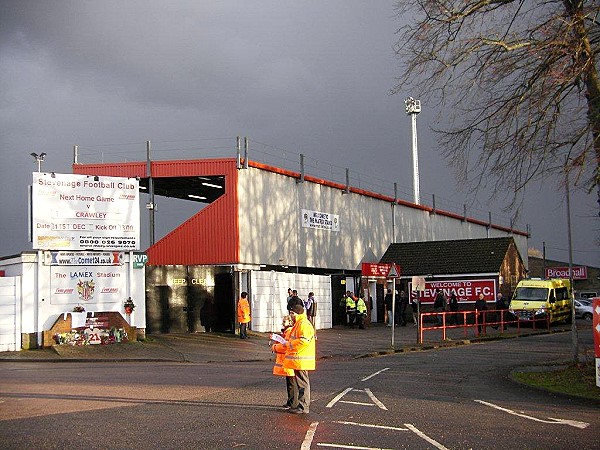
(85, 290)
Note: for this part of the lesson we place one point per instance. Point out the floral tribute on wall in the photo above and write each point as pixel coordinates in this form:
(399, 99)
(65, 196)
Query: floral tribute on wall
(91, 336)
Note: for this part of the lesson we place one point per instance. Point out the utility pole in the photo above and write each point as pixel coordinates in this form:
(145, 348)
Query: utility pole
(151, 206)
(574, 337)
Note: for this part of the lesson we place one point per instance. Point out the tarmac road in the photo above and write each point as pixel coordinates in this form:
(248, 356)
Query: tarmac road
(431, 398)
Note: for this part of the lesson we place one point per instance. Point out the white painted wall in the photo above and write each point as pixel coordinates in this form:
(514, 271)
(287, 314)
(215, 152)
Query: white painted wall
(270, 228)
(268, 298)
(39, 310)
(10, 311)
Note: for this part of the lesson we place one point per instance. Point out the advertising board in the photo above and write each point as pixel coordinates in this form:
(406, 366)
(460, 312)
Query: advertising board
(320, 220)
(375, 269)
(465, 290)
(87, 285)
(82, 212)
(579, 272)
(83, 258)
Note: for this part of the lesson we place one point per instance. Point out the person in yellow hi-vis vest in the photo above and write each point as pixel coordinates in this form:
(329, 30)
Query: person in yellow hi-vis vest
(278, 368)
(299, 356)
(243, 315)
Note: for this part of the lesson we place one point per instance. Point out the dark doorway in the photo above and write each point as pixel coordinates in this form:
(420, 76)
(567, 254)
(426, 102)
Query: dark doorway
(164, 314)
(380, 303)
(224, 307)
(338, 291)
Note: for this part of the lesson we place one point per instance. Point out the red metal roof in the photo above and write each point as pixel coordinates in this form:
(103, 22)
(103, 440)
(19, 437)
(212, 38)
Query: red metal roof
(209, 237)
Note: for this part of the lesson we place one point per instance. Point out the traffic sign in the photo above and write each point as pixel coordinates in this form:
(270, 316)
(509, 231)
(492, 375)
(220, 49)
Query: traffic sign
(394, 271)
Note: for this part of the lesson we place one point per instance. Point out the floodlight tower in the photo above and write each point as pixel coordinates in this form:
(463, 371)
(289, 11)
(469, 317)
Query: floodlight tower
(38, 158)
(413, 107)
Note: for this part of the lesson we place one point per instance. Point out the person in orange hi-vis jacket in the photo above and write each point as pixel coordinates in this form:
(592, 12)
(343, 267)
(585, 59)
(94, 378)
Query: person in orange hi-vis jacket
(243, 315)
(278, 368)
(299, 356)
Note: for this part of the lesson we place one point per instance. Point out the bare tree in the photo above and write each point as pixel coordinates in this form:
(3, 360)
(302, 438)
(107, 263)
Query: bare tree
(517, 84)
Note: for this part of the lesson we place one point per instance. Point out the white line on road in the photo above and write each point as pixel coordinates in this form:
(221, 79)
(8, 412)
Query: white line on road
(368, 392)
(369, 425)
(375, 400)
(337, 397)
(357, 403)
(308, 438)
(552, 420)
(424, 436)
(374, 374)
(352, 447)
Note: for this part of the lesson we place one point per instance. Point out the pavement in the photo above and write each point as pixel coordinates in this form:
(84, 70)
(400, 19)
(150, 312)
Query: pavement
(337, 342)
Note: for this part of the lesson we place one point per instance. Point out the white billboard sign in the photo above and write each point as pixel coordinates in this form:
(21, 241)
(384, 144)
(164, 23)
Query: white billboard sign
(82, 212)
(320, 220)
(83, 258)
(87, 285)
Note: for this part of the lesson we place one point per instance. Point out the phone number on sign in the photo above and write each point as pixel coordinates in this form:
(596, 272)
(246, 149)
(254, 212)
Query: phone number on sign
(103, 242)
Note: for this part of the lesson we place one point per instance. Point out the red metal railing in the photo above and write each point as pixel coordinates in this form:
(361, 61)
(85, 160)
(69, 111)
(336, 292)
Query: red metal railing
(479, 321)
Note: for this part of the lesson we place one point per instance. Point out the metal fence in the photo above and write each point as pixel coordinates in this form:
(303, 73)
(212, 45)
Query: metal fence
(227, 147)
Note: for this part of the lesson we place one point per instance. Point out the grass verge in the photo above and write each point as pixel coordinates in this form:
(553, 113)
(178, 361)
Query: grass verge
(577, 380)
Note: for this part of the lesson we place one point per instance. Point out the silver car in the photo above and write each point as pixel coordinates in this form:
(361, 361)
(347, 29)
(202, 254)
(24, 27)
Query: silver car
(583, 309)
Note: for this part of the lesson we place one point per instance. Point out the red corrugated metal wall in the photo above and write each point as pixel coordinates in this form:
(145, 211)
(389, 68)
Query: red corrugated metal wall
(209, 237)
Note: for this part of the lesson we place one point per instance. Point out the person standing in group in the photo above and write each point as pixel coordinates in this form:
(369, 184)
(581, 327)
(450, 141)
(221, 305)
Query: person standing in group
(350, 309)
(480, 307)
(388, 300)
(439, 305)
(403, 304)
(453, 305)
(414, 303)
(294, 300)
(500, 307)
(243, 314)
(278, 368)
(361, 312)
(299, 356)
(310, 305)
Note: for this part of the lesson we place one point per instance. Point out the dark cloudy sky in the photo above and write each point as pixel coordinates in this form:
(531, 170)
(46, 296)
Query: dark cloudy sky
(309, 77)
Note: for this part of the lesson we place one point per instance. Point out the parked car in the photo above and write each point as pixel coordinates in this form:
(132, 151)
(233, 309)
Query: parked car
(583, 309)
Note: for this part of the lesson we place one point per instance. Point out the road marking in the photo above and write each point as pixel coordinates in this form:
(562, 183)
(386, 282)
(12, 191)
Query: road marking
(424, 436)
(308, 438)
(408, 426)
(357, 403)
(337, 397)
(572, 423)
(368, 392)
(352, 447)
(375, 400)
(374, 374)
(369, 425)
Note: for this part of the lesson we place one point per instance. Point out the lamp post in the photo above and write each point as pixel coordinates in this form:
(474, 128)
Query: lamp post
(38, 158)
(413, 107)
(574, 337)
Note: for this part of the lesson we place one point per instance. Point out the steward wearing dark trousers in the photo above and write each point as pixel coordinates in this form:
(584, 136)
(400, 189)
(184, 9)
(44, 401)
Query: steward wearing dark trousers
(299, 356)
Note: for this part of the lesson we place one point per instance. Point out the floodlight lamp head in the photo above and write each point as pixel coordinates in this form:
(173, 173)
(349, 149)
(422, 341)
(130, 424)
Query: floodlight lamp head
(412, 106)
(37, 157)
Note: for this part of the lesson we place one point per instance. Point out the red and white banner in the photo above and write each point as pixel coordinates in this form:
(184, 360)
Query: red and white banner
(465, 290)
(579, 272)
